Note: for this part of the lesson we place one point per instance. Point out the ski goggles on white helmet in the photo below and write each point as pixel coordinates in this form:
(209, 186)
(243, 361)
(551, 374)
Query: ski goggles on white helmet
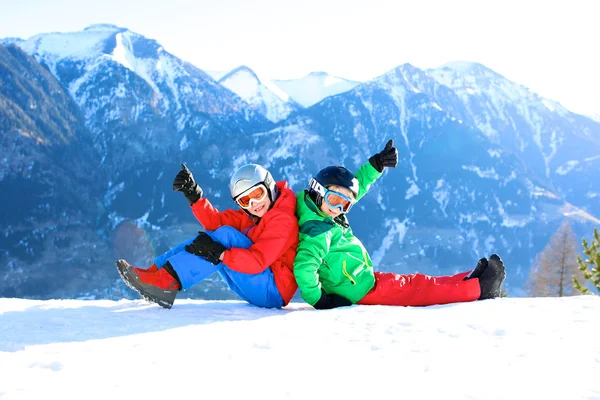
(255, 194)
(333, 199)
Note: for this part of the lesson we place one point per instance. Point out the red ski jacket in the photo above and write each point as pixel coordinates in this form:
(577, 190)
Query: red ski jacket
(275, 238)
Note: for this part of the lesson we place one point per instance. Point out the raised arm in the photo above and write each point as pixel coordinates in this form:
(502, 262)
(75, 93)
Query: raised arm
(372, 170)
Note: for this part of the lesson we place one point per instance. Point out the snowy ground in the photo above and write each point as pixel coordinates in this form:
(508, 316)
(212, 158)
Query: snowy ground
(495, 349)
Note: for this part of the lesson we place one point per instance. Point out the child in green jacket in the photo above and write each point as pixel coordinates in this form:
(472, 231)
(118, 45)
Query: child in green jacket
(333, 268)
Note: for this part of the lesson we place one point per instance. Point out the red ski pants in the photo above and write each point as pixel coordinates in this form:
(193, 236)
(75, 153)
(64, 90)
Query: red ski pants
(393, 289)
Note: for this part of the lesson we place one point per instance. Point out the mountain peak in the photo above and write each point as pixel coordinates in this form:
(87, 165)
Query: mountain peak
(240, 70)
(467, 67)
(103, 27)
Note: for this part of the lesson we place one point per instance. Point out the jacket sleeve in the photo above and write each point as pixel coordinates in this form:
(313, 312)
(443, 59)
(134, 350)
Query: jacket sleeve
(211, 218)
(366, 176)
(315, 240)
(280, 232)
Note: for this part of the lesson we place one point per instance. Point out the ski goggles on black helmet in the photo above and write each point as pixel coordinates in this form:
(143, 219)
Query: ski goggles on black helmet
(332, 198)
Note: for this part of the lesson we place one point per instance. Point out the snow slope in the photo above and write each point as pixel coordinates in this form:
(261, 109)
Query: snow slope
(495, 349)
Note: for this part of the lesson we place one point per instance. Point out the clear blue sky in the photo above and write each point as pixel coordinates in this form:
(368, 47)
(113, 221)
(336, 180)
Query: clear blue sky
(549, 46)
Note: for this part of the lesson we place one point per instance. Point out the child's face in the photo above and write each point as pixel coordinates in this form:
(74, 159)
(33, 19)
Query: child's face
(332, 212)
(335, 211)
(260, 209)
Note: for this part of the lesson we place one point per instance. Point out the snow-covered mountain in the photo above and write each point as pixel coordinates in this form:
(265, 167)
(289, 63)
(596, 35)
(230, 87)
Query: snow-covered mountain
(314, 87)
(456, 195)
(216, 75)
(559, 146)
(463, 188)
(125, 81)
(262, 96)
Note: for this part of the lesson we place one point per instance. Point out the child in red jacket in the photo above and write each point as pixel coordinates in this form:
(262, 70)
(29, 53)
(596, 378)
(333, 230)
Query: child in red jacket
(253, 248)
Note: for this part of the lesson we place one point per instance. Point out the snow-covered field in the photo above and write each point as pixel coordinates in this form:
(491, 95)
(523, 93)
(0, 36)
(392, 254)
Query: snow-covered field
(542, 348)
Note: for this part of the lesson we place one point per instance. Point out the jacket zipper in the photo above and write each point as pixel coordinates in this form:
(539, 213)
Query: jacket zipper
(347, 274)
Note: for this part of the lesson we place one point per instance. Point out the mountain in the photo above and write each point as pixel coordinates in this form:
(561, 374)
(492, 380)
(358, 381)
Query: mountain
(216, 75)
(262, 96)
(455, 196)
(559, 146)
(49, 205)
(314, 87)
(128, 113)
(123, 80)
(141, 112)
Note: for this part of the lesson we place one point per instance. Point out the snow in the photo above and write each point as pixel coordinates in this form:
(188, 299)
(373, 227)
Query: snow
(261, 94)
(314, 87)
(567, 167)
(216, 75)
(78, 45)
(482, 173)
(413, 190)
(493, 349)
(441, 194)
(92, 47)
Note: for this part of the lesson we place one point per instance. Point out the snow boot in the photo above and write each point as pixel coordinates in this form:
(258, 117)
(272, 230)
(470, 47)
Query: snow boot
(479, 268)
(152, 268)
(492, 278)
(158, 287)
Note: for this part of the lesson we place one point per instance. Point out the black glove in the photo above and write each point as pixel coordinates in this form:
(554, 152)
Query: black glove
(329, 301)
(388, 157)
(205, 246)
(184, 183)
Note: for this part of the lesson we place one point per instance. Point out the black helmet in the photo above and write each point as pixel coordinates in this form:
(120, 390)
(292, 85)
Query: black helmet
(332, 175)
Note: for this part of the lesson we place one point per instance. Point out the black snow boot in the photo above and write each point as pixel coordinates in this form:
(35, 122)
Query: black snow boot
(479, 268)
(154, 294)
(492, 278)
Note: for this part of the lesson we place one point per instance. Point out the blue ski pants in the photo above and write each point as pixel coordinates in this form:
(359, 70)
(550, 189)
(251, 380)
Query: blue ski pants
(257, 289)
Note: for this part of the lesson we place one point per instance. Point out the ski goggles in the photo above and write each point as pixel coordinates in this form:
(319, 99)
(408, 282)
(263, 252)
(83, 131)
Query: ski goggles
(333, 199)
(255, 194)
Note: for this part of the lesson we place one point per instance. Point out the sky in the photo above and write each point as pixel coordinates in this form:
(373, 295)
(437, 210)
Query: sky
(519, 348)
(549, 46)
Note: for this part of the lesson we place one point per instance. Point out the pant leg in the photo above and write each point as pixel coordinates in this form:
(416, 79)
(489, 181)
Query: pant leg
(420, 290)
(257, 289)
(452, 278)
(190, 268)
(161, 260)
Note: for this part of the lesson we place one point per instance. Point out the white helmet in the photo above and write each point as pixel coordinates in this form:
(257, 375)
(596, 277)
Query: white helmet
(251, 175)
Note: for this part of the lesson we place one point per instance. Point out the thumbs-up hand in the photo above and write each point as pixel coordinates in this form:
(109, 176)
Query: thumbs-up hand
(184, 182)
(388, 157)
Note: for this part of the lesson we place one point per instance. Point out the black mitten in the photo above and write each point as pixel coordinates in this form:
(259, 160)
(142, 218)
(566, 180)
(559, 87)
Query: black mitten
(329, 301)
(205, 246)
(184, 183)
(388, 157)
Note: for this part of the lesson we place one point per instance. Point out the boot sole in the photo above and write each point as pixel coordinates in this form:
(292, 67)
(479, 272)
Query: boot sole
(147, 292)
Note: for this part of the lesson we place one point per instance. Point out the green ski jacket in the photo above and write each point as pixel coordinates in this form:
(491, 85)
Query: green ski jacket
(329, 256)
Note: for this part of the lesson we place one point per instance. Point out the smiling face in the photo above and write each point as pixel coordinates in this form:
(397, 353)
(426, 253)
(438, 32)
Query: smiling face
(259, 209)
(332, 212)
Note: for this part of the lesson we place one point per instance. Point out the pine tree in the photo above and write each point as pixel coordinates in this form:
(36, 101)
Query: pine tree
(551, 275)
(591, 266)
